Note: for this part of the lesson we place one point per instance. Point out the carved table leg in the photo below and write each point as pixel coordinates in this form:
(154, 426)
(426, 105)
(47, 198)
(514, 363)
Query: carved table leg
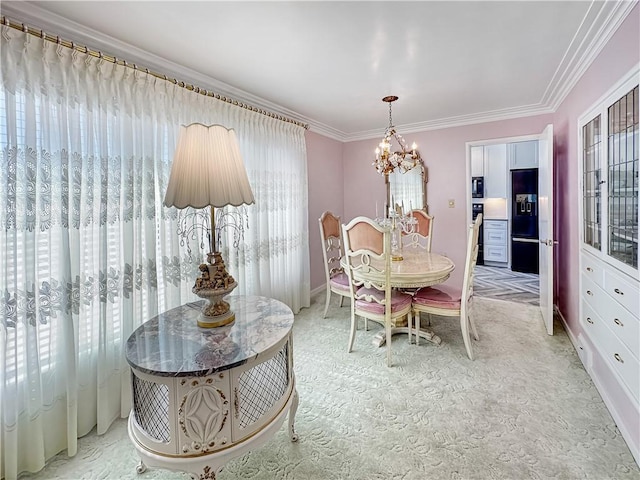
(141, 467)
(292, 416)
(208, 473)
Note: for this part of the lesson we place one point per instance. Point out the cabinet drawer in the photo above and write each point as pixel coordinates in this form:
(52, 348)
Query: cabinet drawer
(612, 349)
(593, 294)
(617, 318)
(495, 253)
(495, 237)
(500, 225)
(593, 269)
(623, 324)
(623, 291)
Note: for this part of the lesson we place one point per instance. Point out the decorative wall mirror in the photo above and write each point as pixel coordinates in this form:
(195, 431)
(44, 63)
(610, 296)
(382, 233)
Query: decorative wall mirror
(409, 187)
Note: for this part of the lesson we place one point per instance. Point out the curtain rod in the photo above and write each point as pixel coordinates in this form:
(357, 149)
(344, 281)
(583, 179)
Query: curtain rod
(81, 48)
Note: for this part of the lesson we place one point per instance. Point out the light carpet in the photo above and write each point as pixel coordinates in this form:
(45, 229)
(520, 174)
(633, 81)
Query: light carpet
(524, 409)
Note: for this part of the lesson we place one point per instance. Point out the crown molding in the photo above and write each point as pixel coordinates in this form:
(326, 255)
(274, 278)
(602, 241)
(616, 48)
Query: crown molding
(327, 131)
(36, 17)
(457, 121)
(588, 42)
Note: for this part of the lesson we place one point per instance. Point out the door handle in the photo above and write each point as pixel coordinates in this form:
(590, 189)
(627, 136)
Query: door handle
(549, 243)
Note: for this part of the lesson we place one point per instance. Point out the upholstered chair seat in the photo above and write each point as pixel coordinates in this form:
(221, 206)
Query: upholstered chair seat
(340, 281)
(442, 296)
(399, 301)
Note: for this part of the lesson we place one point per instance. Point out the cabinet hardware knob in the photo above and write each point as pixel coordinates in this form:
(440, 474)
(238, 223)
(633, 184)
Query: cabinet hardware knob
(618, 358)
(618, 322)
(589, 320)
(589, 269)
(618, 291)
(589, 292)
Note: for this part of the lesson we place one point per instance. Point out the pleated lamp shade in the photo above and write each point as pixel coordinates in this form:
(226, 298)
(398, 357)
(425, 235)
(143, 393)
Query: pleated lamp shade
(207, 169)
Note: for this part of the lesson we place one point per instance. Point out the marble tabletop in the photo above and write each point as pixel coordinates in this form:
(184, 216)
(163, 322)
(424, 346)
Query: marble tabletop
(173, 345)
(418, 268)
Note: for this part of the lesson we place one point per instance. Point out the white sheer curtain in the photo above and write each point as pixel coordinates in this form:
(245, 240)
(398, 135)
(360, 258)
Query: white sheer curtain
(88, 252)
(274, 259)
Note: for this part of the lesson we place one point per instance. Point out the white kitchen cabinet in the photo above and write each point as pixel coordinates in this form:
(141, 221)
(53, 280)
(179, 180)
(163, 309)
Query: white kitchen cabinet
(477, 161)
(495, 242)
(495, 171)
(523, 154)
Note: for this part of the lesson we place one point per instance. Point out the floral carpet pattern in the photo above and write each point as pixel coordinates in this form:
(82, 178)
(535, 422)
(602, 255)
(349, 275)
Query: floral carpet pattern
(524, 409)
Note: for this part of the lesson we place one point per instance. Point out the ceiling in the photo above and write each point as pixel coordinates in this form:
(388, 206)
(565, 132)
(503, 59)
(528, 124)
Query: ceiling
(329, 64)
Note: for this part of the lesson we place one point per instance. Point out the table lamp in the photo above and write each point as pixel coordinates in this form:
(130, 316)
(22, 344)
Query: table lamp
(208, 171)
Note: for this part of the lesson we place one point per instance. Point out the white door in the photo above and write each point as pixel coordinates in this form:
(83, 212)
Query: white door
(545, 225)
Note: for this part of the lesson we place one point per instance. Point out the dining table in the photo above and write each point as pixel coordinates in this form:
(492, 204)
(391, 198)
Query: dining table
(414, 268)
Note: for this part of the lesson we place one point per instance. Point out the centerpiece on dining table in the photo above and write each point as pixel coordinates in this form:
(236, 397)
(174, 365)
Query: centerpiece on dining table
(400, 223)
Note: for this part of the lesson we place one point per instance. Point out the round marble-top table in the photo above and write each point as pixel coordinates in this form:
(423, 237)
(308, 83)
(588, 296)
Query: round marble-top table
(203, 396)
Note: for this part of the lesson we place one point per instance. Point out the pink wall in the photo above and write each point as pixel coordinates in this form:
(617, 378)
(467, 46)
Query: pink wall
(326, 192)
(617, 58)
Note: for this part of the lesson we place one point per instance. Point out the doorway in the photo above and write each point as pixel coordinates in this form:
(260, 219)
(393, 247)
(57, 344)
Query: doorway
(517, 212)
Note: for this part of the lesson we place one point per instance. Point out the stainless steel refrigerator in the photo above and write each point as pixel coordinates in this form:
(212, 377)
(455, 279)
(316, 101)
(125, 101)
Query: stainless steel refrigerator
(524, 221)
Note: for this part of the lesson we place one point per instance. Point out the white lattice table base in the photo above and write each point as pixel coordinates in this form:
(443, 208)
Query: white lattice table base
(203, 396)
(209, 465)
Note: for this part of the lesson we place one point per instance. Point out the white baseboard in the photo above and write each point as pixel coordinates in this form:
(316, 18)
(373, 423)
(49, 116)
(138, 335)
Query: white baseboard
(321, 288)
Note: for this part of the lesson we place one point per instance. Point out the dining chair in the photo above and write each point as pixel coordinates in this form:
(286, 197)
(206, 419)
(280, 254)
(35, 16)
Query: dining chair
(332, 251)
(449, 301)
(423, 231)
(368, 257)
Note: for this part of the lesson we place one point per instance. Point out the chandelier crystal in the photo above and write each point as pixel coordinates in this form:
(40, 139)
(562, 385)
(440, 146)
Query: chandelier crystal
(404, 159)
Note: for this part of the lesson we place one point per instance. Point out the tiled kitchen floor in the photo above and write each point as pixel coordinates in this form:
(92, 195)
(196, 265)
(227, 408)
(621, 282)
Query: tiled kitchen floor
(503, 284)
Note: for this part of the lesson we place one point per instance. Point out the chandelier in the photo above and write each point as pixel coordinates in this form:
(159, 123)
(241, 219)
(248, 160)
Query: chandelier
(404, 159)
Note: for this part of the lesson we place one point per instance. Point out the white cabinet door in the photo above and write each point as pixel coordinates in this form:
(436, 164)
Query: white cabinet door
(523, 155)
(477, 161)
(495, 171)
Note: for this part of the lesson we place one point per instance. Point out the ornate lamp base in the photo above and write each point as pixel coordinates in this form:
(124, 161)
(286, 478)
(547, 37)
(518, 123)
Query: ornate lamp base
(213, 284)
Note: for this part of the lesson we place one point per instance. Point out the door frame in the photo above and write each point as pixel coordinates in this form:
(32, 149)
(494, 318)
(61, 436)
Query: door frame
(469, 199)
